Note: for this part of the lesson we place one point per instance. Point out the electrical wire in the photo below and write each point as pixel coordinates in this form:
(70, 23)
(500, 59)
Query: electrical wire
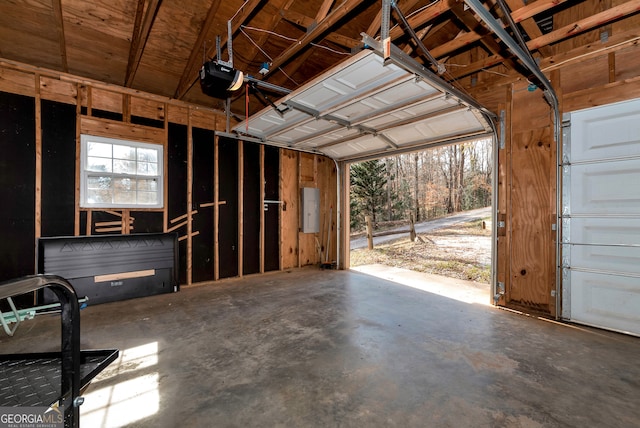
(417, 11)
(255, 44)
(239, 9)
(291, 39)
(266, 55)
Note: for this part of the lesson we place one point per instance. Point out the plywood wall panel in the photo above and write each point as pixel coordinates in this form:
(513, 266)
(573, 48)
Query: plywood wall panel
(531, 196)
(530, 110)
(308, 243)
(627, 63)
(530, 220)
(58, 90)
(590, 73)
(115, 129)
(307, 169)
(150, 109)
(629, 23)
(204, 119)
(327, 175)
(290, 207)
(106, 100)
(606, 94)
(576, 12)
(17, 82)
(178, 114)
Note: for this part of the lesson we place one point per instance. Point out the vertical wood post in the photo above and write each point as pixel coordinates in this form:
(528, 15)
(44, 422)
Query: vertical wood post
(38, 143)
(367, 218)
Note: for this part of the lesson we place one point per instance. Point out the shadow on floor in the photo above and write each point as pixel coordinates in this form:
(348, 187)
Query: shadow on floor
(309, 348)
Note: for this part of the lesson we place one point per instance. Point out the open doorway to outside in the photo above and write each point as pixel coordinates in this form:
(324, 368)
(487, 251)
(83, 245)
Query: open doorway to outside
(427, 211)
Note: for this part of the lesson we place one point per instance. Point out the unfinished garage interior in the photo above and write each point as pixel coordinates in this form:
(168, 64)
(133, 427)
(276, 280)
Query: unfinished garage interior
(184, 165)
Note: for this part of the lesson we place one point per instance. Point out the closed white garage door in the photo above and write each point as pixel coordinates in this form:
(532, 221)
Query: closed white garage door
(601, 217)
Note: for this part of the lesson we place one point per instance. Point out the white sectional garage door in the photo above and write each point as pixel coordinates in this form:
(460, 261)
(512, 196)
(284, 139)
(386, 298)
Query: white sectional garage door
(601, 217)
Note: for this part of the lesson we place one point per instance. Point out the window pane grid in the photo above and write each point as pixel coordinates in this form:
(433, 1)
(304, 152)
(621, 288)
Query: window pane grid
(116, 174)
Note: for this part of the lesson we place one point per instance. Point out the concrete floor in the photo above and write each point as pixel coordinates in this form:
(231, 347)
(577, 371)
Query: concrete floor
(313, 348)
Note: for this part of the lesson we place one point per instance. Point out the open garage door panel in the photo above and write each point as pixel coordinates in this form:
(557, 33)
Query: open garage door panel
(601, 217)
(367, 107)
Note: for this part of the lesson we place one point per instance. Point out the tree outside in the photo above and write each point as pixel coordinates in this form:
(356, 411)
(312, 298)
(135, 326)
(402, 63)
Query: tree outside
(427, 184)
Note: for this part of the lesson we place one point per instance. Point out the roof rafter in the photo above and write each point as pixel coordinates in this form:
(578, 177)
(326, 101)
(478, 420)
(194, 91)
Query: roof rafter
(307, 22)
(374, 28)
(591, 22)
(422, 18)
(472, 24)
(324, 10)
(141, 31)
(529, 25)
(323, 26)
(192, 64)
(193, 76)
(57, 12)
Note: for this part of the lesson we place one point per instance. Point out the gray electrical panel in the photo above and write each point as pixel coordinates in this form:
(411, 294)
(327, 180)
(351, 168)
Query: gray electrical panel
(310, 210)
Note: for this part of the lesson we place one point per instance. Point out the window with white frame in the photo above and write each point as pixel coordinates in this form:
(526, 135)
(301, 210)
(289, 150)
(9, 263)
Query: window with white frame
(120, 173)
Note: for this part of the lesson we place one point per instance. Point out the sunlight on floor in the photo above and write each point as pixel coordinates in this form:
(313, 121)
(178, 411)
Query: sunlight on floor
(135, 397)
(463, 291)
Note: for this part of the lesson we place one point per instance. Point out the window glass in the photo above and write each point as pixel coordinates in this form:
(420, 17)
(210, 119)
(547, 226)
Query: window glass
(120, 174)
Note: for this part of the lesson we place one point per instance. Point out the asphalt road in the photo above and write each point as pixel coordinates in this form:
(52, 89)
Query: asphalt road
(426, 226)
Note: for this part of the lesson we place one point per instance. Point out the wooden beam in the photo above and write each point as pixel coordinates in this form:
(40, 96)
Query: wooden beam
(239, 19)
(344, 41)
(593, 49)
(57, 12)
(529, 25)
(606, 94)
(139, 37)
(419, 19)
(565, 32)
(307, 22)
(297, 18)
(593, 21)
(461, 40)
(186, 80)
(472, 24)
(38, 144)
(535, 8)
(76, 198)
(324, 10)
(336, 15)
(374, 27)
